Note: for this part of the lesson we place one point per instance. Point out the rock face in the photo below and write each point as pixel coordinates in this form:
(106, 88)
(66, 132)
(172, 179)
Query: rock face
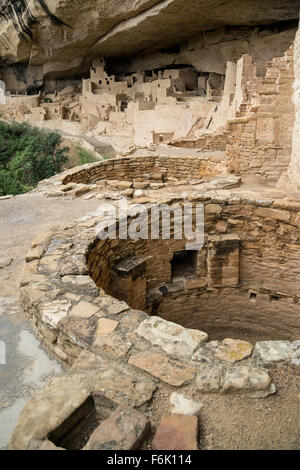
(61, 35)
(294, 168)
(49, 28)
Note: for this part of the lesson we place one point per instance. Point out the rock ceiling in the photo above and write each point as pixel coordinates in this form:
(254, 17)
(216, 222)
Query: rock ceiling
(60, 32)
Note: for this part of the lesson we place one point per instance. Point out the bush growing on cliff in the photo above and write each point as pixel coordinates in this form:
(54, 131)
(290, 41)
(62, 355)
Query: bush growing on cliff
(85, 156)
(28, 155)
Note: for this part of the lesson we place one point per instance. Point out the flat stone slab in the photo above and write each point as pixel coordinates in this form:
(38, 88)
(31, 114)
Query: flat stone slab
(244, 379)
(53, 312)
(181, 405)
(168, 370)
(176, 432)
(273, 351)
(115, 344)
(105, 327)
(125, 429)
(208, 379)
(116, 307)
(84, 310)
(171, 337)
(296, 353)
(233, 350)
(34, 253)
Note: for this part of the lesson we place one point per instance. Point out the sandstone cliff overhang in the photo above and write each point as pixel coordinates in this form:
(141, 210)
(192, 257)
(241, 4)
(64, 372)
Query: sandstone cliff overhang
(63, 35)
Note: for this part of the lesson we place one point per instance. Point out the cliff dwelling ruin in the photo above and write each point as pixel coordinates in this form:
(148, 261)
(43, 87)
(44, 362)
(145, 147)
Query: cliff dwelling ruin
(182, 104)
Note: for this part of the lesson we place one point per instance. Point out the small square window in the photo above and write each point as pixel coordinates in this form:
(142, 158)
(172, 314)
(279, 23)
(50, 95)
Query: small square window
(184, 264)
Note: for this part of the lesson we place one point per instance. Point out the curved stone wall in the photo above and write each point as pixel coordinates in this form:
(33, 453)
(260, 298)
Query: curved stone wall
(120, 348)
(152, 168)
(254, 293)
(64, 302)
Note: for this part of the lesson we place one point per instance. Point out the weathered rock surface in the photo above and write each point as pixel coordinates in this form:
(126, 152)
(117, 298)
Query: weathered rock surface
(244, 379)
(125, 429)
(84, 310)
(43, 444)
(176, 432)
(171, 337)
(47, 34)
(52, 313)
(208, 379)
(296, 353)
(232, 350)
(181, 405)
(273, 351)
(168, 370)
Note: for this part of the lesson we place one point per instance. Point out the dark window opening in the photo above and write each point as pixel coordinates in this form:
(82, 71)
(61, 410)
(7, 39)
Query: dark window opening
(32, 90)
(274, 298)
(184, 264)
(252, 296)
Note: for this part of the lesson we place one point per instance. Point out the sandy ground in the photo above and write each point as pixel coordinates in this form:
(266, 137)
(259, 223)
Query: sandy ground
(226, 422)
(237, 422)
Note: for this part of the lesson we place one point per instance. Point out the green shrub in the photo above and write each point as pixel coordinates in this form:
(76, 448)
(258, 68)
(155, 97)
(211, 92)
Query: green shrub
(85, 156)
(28, 155)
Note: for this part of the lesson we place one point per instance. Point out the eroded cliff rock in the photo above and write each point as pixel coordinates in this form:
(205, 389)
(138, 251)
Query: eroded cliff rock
(62, 35)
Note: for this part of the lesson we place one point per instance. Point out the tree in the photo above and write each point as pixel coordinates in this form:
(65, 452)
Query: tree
(27, 156)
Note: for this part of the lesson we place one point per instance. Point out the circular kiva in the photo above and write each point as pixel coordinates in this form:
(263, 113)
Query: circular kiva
(130, 174)
(115, 297)
(129, 315)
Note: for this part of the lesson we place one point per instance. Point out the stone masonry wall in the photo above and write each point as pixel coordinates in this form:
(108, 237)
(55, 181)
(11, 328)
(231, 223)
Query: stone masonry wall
(260, 137)
(155, 168)
(238, 313)
(257, 287)
(216, 141)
